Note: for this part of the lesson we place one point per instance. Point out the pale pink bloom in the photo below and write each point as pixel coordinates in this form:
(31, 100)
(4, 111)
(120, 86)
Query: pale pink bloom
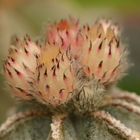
(103, 54)
(20, 66)
(66, 34)
(51, 74)
(54, 81)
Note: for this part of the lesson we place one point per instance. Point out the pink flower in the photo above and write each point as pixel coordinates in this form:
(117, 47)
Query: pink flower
(20, 66)
(103, 56)
(66, 34)
(55, 80)
(49, 74)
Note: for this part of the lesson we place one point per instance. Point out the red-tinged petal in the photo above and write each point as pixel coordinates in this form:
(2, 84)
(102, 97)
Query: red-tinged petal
(64, 34)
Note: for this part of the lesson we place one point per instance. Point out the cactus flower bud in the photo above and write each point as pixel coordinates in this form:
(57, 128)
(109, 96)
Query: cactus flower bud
(103, 53)
(20, 66)
(54, 81)
(66, 34)
(51, 74)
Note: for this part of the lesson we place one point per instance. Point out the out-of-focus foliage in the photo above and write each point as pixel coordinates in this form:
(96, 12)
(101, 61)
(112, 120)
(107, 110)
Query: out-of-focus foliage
(18, 17)
(127, 4)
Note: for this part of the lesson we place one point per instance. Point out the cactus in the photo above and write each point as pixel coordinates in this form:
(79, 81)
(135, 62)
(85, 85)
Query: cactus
(67, 87)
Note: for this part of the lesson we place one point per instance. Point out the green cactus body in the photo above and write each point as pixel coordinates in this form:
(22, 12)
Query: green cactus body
(74, 127)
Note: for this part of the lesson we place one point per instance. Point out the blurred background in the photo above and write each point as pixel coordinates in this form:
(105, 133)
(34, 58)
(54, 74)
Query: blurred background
(18, 17)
